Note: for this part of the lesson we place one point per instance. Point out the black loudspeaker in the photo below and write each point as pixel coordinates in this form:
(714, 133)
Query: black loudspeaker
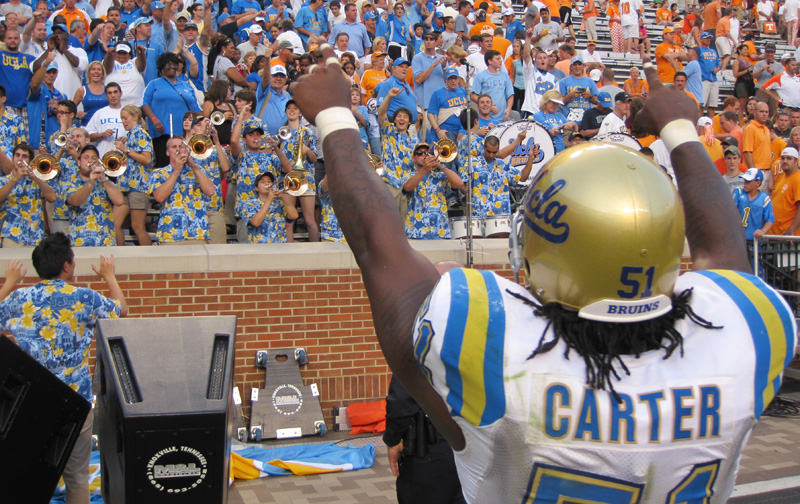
(40, 420)
(164, 409)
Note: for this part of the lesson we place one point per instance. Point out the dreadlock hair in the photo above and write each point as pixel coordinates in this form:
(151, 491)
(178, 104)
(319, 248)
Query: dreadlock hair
(602, 343)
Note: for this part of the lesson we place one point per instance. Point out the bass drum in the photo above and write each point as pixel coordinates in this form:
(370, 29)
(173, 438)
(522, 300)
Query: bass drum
(535, 135)
(619, 138)
(497, 131)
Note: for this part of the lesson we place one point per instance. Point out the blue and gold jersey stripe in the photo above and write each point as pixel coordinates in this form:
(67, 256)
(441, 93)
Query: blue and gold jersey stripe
(771, 327)
(472, 348)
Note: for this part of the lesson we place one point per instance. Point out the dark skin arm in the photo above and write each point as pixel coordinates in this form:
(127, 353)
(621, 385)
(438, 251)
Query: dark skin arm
(397, 278)
(704, 195)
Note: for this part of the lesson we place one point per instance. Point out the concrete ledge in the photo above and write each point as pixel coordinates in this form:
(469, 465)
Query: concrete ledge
(276, 257)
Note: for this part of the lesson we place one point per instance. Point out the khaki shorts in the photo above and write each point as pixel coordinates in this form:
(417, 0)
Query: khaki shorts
(136, 200)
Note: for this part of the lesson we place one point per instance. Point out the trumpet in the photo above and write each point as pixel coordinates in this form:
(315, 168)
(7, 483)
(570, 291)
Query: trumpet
(446, 150)
(284, 134)
(200, 146)
(294, 183)
(44, 166)
(298, 164)
(114, 163)
(217, 117)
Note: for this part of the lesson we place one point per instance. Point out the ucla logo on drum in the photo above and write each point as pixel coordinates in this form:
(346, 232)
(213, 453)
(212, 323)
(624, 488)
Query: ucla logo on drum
(523, 150)
(544, 213)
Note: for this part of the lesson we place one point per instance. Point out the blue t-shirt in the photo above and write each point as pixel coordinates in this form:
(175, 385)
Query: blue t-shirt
(274, 115)
(169, 100)
(694, 84)
(202, 62)
(446, 99)
(130, 17)
(551, 121)
(570, 83)
(435, 80)
(311, 21)
(499, 87)
(94, 52)
(152, 51)
(755, 213)
(405, 99)
(15, 77)
(512, 28)
(708, 60)
(398, 31)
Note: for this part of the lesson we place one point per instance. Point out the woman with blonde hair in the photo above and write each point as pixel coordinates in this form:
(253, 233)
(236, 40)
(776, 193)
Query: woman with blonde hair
(138, 147)
(93, 94)
(554, 121)
(378, 46)
(454, 56)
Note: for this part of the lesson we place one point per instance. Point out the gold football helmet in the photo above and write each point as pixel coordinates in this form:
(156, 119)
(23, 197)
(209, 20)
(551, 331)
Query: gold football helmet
(602, 232)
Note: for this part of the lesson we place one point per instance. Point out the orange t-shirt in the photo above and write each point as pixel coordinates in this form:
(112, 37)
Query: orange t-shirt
(663, 14)
(723, 26)
(710, 15)
(552, 6)
(563, 65)
(370, 80)
(666, 72)
(481, 28)
(500, 44)
(785, 197)
(590, 11)
(647, 141)
(756, 141)
(613, 14)
(643, 87)
(751, 50)
(510, 67)
(723, 168)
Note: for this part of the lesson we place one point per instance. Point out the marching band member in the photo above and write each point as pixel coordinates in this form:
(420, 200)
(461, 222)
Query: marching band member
(91, 199)
(21, 194)
(214, 166)
(67, 175)
(267, 212)
(138, 147)
(426, 218)
(308, 158)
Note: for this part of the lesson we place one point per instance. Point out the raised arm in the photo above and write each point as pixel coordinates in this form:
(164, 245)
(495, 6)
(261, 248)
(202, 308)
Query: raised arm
(672, 115)
(397, 278)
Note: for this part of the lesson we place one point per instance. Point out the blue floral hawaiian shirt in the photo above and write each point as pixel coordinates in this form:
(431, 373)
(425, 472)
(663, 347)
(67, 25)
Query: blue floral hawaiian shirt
(427, 208)
(54, 322)
(289, 148)
(183, 213)
(250, 166)
(211, 169)
(12, 132)
(90, 224)
(398, 152)
(22, 212)
(329, 227)
(490, 187)
(464, 153)
(272, 228)
(135, 177)
(67, 176)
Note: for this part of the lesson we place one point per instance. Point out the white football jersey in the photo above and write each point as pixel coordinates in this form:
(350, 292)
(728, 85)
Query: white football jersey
(536, 433)
(629, 11)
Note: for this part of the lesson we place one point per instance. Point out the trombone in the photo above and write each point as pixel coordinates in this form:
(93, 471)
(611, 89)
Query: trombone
(114, 163)
(295, 183)
(44, 166)
(200, 146)
(446, 150)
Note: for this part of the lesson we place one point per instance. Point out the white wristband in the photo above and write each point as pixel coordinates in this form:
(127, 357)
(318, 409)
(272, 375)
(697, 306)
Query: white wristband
(335, 119)
(679, 132)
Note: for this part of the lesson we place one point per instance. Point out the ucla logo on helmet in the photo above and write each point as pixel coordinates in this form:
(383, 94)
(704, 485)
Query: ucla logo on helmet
(544, 213)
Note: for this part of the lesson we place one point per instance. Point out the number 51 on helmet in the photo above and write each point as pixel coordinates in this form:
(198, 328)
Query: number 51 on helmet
(601, 231)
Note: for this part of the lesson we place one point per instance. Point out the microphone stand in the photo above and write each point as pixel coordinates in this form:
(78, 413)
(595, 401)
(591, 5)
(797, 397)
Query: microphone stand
(468, 201)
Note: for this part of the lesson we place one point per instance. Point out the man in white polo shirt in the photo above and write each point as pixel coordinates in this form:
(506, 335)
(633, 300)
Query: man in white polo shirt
(785, 87)
(615, 121)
